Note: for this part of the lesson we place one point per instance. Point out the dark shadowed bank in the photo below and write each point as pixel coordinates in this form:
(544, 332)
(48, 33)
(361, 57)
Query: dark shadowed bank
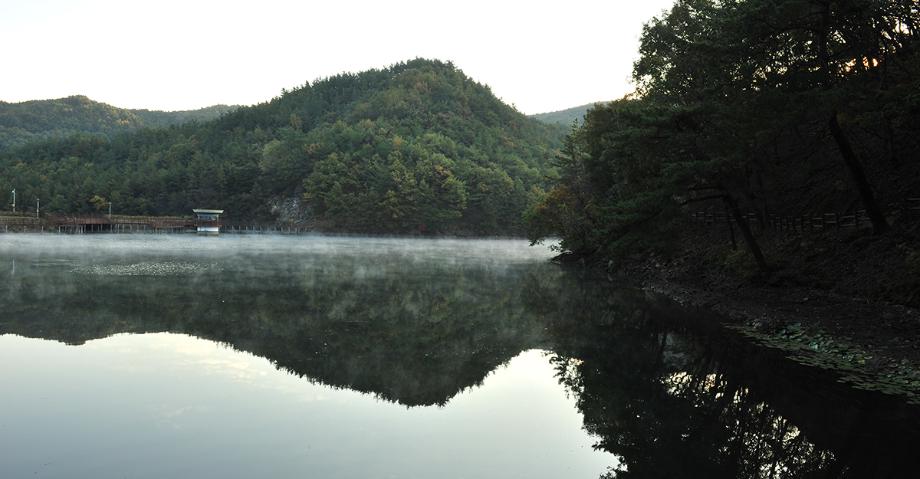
(767, 168)
(871, 342)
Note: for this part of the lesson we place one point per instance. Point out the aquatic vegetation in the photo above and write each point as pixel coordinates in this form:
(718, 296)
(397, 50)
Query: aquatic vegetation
(855, 364)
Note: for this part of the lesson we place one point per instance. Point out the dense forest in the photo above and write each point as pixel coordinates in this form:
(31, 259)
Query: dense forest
(417, 148)
(753, 110)
(29, 121)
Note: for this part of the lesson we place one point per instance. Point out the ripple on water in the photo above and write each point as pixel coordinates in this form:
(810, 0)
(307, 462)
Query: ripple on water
(167, 268)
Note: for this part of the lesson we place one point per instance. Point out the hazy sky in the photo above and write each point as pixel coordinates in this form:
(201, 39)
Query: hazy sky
(184, 54)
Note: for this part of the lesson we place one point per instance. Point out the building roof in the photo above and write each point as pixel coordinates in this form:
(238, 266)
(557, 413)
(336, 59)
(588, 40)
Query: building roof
(212, 212)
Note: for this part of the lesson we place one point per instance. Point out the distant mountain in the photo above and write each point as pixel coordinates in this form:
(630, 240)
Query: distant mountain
(21, 123)
(564, 117)
(416, 148)
(155, 118)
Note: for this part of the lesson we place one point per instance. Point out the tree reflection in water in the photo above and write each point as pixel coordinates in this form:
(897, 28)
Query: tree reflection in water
(667, 392)
(674, 401)
(414, 333)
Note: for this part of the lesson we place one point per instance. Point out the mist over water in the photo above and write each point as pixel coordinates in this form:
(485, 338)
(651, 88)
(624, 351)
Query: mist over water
(449, 251)
(290, 356)
(254, 355)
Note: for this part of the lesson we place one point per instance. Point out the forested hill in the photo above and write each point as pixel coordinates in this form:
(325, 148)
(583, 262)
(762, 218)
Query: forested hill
(417, 148)
(564, 117)
(783, 111)
(21, 123)
(159, 119)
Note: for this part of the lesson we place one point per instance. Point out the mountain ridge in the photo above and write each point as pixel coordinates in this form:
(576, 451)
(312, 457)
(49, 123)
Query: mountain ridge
(37, 120)
(567, 116)
(414, 148)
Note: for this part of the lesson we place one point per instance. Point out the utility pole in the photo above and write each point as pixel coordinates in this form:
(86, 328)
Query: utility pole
(38, 207)
(110, 209)
(14, 200)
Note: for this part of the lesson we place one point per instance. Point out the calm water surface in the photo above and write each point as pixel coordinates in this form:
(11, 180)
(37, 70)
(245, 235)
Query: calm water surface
(260, 356)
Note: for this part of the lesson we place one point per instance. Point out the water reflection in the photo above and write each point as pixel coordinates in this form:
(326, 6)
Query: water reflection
(166, 405)
(408, 328)
(673, 400)
(430, 323)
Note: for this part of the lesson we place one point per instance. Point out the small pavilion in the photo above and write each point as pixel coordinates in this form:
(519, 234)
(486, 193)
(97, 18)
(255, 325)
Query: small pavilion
(208, 221)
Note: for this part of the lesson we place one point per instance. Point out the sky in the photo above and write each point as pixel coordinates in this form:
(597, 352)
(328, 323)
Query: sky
(185, 54)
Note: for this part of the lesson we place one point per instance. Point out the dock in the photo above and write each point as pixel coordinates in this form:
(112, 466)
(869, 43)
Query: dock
(120, 224)
(95, 223)
(202, 223)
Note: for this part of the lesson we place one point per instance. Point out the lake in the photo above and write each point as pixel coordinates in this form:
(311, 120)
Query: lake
(151, 356)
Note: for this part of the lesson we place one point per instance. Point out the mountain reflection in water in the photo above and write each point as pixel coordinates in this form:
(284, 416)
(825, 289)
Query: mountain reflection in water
(424, 323)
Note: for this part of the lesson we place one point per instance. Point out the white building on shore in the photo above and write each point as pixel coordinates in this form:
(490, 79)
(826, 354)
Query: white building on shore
(208, 221)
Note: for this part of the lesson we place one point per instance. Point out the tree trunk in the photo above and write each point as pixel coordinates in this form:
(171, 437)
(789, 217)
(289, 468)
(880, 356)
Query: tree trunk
(889, 143)
(879, 224)
(731, 229)
(745, 232)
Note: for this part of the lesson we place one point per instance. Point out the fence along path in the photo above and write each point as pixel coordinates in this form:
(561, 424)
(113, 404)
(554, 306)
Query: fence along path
(809, 223)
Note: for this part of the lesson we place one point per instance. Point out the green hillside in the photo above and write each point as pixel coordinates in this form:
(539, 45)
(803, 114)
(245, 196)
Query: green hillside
(155, 118)
(564, 117)
(21, 123)
(417, 148)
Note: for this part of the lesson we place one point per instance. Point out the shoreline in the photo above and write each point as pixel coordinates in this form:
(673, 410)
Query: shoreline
(268, 231)
(869, 345)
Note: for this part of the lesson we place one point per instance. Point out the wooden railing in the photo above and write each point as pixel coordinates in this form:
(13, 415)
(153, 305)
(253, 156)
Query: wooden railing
(809, 223)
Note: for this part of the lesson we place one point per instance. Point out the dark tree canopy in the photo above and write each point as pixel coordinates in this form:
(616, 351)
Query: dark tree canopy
(779, 106)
